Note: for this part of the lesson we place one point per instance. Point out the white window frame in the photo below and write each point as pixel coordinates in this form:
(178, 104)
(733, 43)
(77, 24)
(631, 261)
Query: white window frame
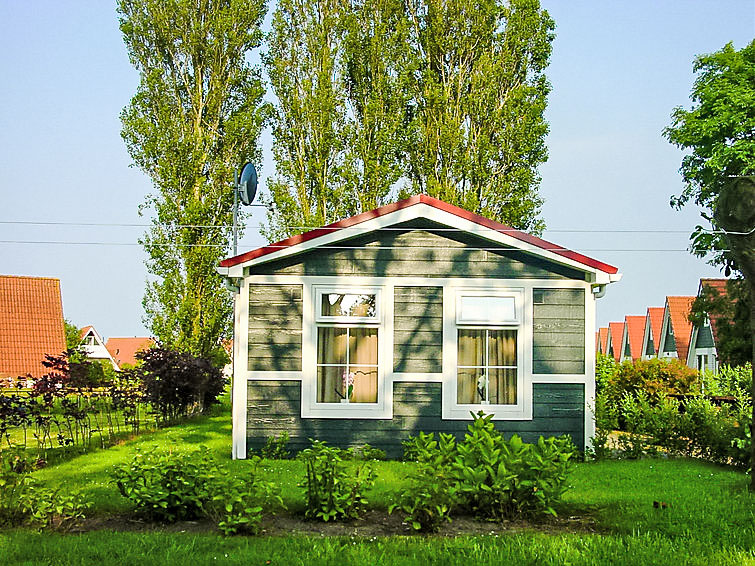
(313, 320)
(522, 409)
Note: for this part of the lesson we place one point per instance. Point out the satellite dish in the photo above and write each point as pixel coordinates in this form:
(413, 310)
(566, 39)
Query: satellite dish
(247, 184)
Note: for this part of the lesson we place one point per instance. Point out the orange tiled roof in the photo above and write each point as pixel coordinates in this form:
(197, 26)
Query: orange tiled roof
(656, 321)
(124, 350)
(603, 337)
(84, 331)
(31, 324)
(617, 331)
(720, 286)
(635, 327)
(679, 308)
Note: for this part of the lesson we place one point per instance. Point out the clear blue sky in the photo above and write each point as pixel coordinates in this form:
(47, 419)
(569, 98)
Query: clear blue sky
(618, 69)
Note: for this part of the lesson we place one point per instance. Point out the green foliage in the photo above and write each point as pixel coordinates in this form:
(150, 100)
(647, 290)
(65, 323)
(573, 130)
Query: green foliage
(275, 447)
(73, 335)
(486, 474)
(236, 503)
(605, 371)
(733, 381)
(166, 486)
(716, 134)
(606, 416)
(333, 491)
(378, 97)
(196, 116)
(731, 312)
(652, 377)
(366, 452)
(503, 479)
(24, 502)
(429, 499)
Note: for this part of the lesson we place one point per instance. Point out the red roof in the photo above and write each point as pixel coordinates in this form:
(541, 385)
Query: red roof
(124, 350)
(718, 285)
(635, 328)
(406, 203)
(84, 331)
(603, 339)
(31, 324)
(656, 322)
(616, 330)
(679, 308)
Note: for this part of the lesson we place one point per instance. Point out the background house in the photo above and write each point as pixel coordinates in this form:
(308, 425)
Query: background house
(631, 340)
(676, 328)
(613, 341)
(702, 353)
(406, 319)
(31, 324)
(94, 346)
(652, 332)
(123, 350)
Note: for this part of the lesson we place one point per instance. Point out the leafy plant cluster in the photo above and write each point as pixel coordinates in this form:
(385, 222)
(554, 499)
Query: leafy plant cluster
(484, 474)
(693, 426)
(334, 490)
(174, 486)
(654, 376)
(23, 502)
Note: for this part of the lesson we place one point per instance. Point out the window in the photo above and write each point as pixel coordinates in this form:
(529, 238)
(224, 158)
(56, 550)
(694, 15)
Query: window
(487, 351)
(347, 345)
(486, 366)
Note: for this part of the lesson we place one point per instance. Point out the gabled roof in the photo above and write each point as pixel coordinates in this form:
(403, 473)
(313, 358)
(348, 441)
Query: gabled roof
(602, 339)
(634, 327)
(615, 333)
(679, 308)
(425, 207)
(84, 331)
(31, 324)
(655, 314)
(124, 350)
(719, 285)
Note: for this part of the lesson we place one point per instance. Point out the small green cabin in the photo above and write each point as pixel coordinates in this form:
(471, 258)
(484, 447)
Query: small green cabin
(409, 318)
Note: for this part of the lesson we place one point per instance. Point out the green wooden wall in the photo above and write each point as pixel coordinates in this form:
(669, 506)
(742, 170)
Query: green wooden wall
(275, 322)
(275, 406)
(419, 252)
(704, 337)
(558, 341)
(418, 329)
(669, 344)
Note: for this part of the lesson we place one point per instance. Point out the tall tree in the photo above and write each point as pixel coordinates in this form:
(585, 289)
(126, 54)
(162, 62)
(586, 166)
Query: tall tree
(303, 64)
(719, 133)
(379, 97)
(479, 99)
(197, 114)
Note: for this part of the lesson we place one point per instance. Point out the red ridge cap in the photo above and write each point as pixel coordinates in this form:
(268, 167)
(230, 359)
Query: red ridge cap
(406, 203)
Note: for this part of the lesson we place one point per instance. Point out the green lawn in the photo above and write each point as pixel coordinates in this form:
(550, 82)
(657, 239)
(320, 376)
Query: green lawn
(709, 519)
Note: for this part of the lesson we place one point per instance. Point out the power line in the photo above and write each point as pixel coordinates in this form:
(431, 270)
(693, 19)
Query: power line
(376, 248)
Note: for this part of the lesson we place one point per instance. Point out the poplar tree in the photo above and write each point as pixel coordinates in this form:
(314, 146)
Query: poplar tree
(196, 115)
(480, 95)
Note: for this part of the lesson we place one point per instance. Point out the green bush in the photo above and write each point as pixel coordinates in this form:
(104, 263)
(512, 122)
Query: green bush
(729, 381)
(167, 486)
(605, 370)
(366, 452)
(652, 377)
(275, 447)
(236, 504)
(332, 490)
(23, 502)
(488, 475)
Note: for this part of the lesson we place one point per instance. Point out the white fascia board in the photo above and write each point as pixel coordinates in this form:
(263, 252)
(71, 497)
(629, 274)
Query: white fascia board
(424, 211)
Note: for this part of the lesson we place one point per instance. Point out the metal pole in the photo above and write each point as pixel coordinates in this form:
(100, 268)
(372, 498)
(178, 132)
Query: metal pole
(235, 213)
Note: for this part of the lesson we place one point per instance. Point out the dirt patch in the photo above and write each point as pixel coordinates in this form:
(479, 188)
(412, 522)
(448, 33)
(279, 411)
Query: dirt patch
(372, 524)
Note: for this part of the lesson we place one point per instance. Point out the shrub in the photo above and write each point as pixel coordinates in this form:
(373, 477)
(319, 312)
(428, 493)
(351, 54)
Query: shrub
(652, 377)
(429, 499)
(23, 502)
(236, 504)
(605, 370)
(425, 449)
(332, 491)
(366, 452)
(729, 381)
(501, 479)
(606, 416)
(275, 447)
(166, 486)
(175, 383)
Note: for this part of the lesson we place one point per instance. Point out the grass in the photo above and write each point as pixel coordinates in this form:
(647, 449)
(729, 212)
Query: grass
(709, 518)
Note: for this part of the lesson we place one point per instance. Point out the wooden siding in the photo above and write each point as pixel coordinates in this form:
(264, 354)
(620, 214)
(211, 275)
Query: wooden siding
(669, 344)
(418, 251)
(275, 406)
(704, 337)
(275, 323)
(558, 340)
(418, 329)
